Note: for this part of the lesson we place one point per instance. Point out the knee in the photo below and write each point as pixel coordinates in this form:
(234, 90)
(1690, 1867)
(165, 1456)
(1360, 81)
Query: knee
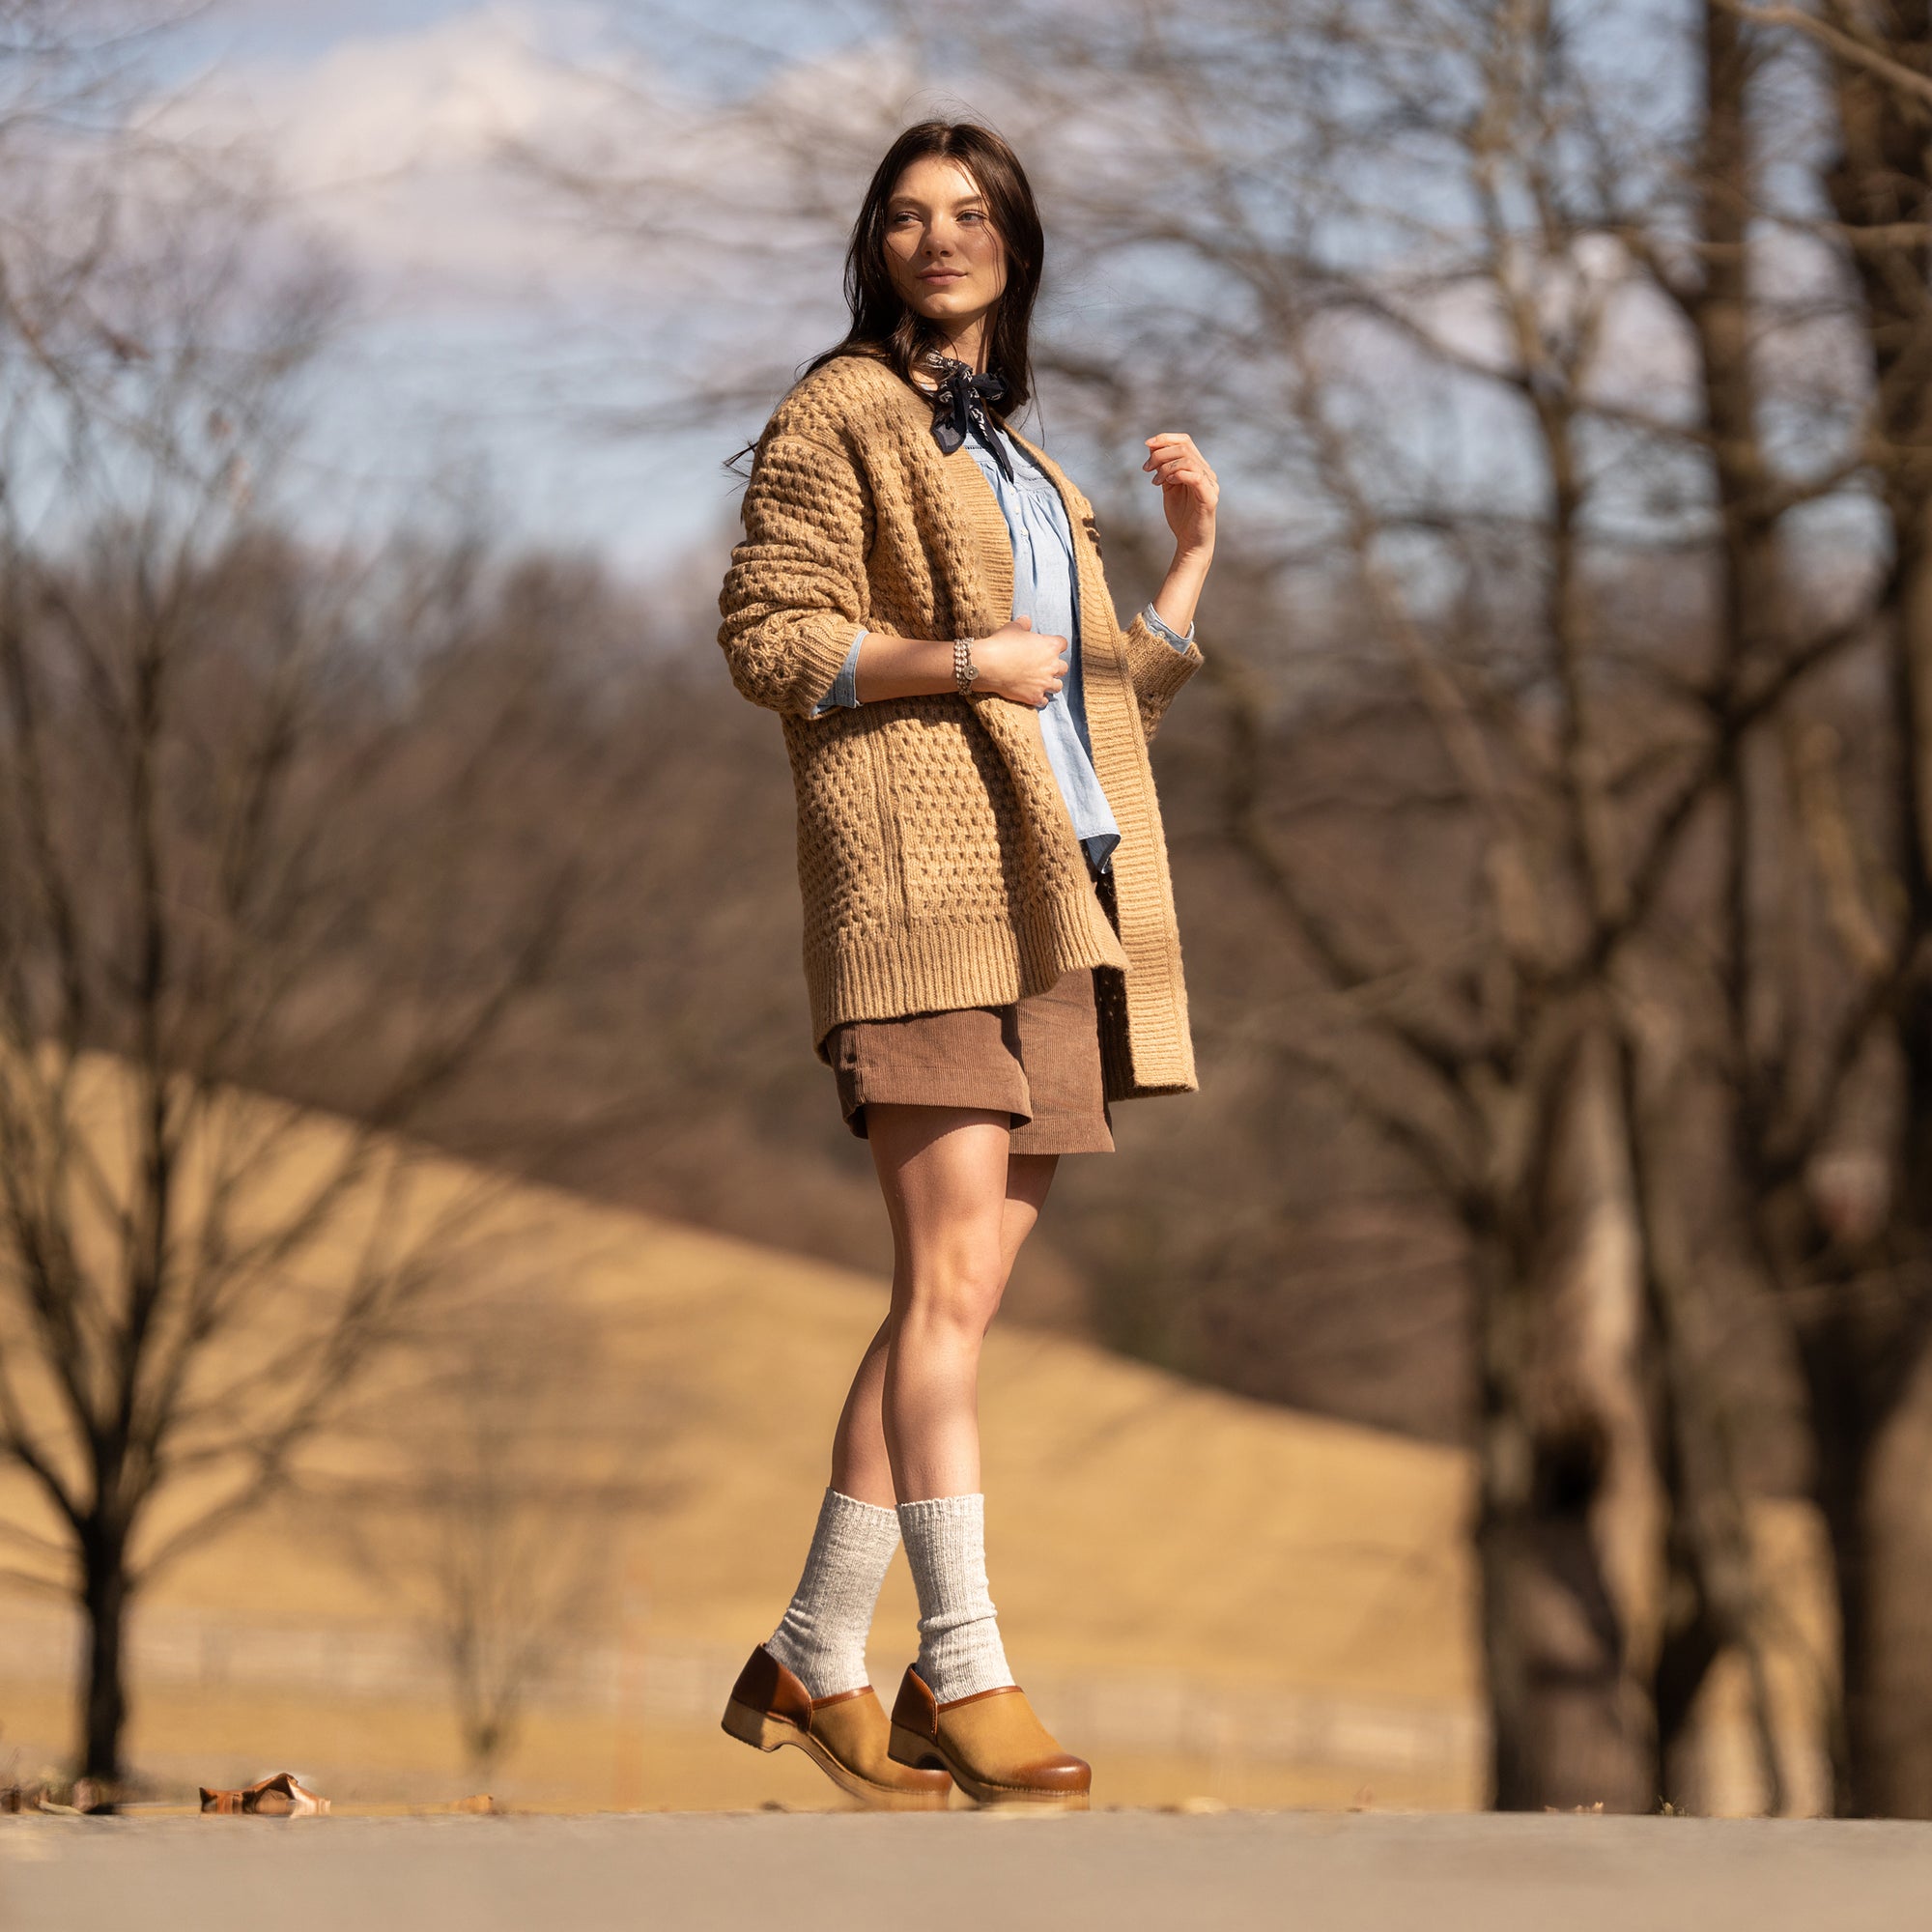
(957, 1291)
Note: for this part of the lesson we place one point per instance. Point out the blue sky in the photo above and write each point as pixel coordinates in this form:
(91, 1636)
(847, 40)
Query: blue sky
(495, 340)
(487, 332)
(776, 31)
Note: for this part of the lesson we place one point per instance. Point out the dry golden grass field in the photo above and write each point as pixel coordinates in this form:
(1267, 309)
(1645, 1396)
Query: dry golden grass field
(1217, 1601)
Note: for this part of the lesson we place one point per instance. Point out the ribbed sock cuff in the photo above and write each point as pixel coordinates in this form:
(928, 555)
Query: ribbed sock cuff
(959, 1647)
(821, 1639)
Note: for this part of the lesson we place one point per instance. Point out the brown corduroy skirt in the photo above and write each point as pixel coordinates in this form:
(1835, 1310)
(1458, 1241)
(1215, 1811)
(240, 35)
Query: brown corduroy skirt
(1038, 1060)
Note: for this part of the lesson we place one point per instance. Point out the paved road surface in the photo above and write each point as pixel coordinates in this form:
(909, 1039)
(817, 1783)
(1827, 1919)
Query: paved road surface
(1118, 1870)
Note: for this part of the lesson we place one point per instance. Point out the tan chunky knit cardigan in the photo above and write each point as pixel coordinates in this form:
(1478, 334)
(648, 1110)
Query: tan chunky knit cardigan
(938, 864)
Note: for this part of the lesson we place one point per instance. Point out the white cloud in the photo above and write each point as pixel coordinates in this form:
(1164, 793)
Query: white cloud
(495, 320)
(391, 143)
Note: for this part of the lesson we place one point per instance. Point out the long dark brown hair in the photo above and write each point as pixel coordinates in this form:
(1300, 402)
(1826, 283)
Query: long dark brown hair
(884, 325)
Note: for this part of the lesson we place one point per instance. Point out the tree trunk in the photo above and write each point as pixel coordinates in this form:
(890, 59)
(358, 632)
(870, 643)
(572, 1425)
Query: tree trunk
(1870, 1386)
(103, 1713)
(1889, 1664)
(1552, 1640)
(1889, 1702)
(1692, 1643)
(1870, 1377)
(1844, 1439)
(1566, 1729)
(1864, 1356)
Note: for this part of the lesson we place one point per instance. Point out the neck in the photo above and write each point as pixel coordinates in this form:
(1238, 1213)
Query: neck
(969, 344)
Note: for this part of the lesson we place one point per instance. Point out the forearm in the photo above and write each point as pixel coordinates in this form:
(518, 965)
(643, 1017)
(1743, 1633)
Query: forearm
(1180, 589)
(902, 667)
(1013, 663)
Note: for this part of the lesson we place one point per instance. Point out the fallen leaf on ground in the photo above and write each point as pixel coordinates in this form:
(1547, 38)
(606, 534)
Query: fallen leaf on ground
(277, 1796)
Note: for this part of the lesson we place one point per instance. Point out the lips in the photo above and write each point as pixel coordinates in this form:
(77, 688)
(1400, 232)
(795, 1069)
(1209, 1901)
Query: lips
(947, 275)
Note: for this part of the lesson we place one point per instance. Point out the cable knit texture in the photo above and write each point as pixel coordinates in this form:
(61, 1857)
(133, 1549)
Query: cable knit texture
(959, 1649)
(937, 862)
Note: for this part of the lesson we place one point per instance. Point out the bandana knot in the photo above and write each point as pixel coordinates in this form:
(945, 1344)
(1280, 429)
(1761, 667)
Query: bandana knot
(959, 408)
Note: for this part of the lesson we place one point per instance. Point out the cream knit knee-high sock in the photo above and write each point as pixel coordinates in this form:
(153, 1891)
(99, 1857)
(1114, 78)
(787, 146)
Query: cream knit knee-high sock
(959, 1648)
(821, 1639)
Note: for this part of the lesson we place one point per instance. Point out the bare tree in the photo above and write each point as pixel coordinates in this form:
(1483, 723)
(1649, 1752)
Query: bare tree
(1471, 1028)
(1826, 1010)
(228, 853)
(513, 1451)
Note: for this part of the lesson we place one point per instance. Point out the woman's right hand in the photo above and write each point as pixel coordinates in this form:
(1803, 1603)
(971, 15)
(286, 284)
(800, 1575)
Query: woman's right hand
(1016, 662)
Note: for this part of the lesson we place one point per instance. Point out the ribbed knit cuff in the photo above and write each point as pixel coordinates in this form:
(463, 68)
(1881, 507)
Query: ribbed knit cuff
(959, 1647)
(821, 1639)
(1158, 671)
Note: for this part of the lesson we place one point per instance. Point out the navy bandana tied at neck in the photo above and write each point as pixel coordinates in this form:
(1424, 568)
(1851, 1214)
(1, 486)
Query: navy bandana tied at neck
(959, 401)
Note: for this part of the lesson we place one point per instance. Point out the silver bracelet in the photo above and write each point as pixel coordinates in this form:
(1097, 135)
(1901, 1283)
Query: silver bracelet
(964, 669)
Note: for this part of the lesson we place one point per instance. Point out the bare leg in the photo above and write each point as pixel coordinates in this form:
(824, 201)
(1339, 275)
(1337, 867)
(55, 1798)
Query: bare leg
(961, 1209)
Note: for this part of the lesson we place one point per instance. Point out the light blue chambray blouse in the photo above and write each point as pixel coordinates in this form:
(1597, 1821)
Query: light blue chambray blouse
(1044, 580)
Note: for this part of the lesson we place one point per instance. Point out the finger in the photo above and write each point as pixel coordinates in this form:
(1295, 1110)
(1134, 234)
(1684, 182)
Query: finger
(1025, 623)
(1167, 442)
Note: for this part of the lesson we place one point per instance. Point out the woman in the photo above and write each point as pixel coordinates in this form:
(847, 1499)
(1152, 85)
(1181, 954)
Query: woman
(989, 934)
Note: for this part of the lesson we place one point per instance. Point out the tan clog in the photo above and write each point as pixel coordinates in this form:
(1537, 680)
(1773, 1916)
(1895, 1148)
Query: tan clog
(845, 1735)
(996, 1749)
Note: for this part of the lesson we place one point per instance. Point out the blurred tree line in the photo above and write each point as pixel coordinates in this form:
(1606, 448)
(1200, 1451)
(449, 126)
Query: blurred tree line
(1553, 829)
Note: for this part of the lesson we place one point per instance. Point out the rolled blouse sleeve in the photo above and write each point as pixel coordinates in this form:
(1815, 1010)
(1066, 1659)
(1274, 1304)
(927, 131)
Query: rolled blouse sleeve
(1160, 626)
(846, 686)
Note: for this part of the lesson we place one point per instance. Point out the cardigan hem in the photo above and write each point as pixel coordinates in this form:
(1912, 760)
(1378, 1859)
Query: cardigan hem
(937, 968)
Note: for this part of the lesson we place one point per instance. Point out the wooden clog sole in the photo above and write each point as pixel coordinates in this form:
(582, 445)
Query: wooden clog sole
(760, 1728)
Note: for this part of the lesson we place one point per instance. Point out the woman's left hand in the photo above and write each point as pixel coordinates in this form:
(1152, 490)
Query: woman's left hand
(1189, 488)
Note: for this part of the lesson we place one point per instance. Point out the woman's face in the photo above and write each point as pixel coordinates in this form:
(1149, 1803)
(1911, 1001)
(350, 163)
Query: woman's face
(945, 259)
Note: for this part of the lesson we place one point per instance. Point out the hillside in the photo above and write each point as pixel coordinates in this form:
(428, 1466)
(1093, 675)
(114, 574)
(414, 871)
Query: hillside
(1205, 1595)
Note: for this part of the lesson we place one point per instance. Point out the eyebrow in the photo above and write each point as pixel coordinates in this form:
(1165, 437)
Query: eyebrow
(913, 201)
